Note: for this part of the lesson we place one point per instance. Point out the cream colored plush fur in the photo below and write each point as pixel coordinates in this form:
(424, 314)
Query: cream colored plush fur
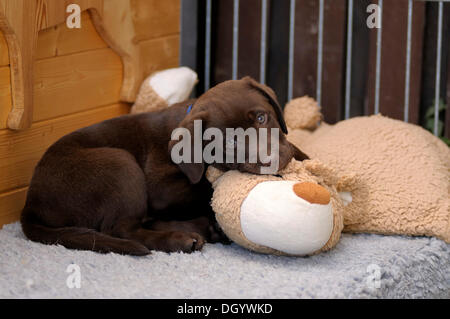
(232, 187)
(397, 173)
(402, 171)
(164, 88)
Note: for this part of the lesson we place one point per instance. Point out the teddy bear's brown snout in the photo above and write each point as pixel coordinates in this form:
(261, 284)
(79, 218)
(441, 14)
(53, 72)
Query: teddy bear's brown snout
(313, 193)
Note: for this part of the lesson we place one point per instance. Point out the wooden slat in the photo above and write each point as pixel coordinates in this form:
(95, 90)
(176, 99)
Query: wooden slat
(60, 40)
(249, 38)
(20, 151)
(55, 10)
(5, 95)
(155, 18)
(73, 83)
(278, 55)
(305, 48)
(222, 41)
(161, 53)
(393, 57)
(78, 40)
(46, 43)
(333, 58)
(11, 205)
(4, 56)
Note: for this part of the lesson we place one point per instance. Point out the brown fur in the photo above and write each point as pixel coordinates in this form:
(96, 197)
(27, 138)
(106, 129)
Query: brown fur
(112, 187)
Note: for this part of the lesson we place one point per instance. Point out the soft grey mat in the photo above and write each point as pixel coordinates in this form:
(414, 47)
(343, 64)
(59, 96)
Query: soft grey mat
(361, 266)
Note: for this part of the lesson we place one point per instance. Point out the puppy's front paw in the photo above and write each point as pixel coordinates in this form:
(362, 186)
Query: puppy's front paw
(216, 235)
(185, 242)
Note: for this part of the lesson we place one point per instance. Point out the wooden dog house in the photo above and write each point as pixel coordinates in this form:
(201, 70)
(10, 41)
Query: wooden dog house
(54, 80)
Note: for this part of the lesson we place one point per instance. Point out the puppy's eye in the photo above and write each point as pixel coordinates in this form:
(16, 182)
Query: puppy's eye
(261, 118)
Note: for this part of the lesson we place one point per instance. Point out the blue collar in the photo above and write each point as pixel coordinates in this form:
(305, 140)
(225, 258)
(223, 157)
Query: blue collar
(189, 109)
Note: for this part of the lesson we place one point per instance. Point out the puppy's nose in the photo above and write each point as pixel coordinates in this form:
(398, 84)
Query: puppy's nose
(313, 193)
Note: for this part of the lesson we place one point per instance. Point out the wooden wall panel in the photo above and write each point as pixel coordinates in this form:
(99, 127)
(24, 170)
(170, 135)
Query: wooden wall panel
(11, 205)
(161, 53)
(333, 77)
(60, 40)
(46, 43)
(4, 56)
(249, 42)
(78, 40)
(155, 18)
(20, 151)
(77, 82)
(305, 48)
(5, 95)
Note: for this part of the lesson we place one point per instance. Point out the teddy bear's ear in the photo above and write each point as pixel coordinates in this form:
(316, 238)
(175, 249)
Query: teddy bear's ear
(213, 174)
(302, 113)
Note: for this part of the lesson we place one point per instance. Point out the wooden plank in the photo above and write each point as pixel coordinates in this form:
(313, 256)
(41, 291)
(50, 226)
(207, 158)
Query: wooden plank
(305, 48)
(393, 57)
(249, 43)
(5, 95)
(155, 18)
(221, 41)
(159, 54)
(359, 61)
(4, 56)
(11, 205)
(73, 83)
(278, 55)
(55, 10)
(47, 42)
(79, 40)
(20, 151)
(333, 59)
(117, 29)
(19, 22)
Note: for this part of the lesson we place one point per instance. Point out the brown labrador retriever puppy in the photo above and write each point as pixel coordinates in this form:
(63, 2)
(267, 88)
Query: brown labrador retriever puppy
(113, 187)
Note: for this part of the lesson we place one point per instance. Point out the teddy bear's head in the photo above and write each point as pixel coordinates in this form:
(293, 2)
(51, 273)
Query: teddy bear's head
(298, 212)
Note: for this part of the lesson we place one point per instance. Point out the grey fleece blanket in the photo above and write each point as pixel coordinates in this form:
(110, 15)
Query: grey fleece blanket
(360, 266)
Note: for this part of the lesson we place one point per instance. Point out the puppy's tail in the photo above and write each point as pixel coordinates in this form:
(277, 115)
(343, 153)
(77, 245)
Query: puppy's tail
(78, 237)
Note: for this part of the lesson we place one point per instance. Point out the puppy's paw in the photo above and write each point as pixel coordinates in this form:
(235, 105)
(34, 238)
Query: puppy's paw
(178, 241)
(216, 235)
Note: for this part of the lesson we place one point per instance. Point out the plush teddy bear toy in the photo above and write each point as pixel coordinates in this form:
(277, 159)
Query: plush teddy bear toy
(299, 213)
(164, 88)
(368, 174)
(402, 171)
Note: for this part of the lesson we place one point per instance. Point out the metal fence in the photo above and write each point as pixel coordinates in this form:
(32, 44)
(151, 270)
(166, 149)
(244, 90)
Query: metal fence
(320, 37)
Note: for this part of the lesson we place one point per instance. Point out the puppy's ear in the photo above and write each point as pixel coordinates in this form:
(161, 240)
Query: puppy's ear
(192, 167)
(271, 96)
(297, 154)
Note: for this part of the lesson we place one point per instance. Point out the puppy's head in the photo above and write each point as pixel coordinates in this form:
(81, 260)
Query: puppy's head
(242, 127)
